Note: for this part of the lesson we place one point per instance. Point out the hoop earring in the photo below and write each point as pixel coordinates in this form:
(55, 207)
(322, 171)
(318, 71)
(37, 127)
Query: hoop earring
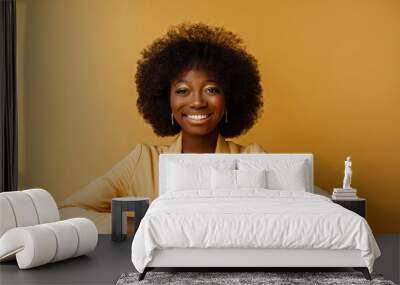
(172, 119)
(226, 117)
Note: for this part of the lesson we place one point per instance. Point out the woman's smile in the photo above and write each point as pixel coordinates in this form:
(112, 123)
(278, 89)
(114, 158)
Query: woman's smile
(197, 118)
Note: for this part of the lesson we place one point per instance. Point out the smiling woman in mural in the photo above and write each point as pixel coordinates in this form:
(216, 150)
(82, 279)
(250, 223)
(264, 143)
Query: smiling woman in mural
(197, 82)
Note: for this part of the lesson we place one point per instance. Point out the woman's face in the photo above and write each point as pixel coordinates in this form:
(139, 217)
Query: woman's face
(197, 102)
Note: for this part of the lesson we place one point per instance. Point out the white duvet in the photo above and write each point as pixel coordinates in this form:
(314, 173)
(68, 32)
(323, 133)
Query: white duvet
(251, 218)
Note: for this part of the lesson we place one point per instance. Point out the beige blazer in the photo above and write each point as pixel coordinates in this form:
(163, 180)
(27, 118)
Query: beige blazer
(135, 175)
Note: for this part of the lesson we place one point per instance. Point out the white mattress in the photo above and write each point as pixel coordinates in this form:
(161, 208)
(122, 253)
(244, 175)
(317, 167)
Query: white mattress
(252, 218)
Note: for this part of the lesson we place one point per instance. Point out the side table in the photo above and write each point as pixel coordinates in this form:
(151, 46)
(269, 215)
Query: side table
(119, 208)
(357, 205)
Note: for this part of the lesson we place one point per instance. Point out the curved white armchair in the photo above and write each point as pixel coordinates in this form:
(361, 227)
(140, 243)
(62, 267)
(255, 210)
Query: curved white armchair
(31, 232)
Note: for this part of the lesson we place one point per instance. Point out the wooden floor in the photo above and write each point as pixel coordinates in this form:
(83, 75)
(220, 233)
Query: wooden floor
(110, 260)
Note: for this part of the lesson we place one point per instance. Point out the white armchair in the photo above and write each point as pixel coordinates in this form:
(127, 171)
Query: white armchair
(31, 230)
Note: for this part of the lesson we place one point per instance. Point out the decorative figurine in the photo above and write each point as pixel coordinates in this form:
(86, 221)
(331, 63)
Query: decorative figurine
(347, 173)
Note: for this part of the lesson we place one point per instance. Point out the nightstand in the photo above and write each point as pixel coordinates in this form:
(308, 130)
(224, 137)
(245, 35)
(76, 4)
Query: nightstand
(119, 209)
(357, 205)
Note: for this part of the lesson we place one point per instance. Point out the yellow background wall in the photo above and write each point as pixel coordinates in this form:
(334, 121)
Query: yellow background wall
(330, 72)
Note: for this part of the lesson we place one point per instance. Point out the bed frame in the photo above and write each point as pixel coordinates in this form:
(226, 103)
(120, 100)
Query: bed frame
(249, 258)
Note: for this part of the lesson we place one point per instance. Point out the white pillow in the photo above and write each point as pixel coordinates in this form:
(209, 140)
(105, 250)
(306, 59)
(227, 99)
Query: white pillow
(186, 175)
(281, 174)
(236, 179)
(251, 178)
(223, 179)
(287, 179)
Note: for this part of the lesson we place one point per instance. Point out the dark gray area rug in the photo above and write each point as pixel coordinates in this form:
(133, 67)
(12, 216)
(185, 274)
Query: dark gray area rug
(231, 278)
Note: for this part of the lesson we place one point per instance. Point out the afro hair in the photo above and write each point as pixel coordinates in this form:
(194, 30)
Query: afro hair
(199, 46)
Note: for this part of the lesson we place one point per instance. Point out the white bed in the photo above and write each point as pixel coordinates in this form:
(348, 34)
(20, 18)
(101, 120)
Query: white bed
(197, 224)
